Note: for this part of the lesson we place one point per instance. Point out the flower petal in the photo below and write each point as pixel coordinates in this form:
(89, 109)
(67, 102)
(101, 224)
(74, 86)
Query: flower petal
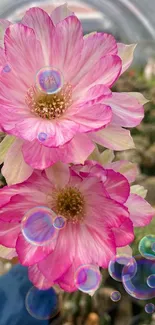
(41, 23)
(139, 190)
(58, 174)
(60, 13)
(30, 254)
(93, 96)
(126, 250)
(19, 39)
(106, 157)
(4, 146)
(38, 279)
(106, 71)
(126, 109)
(124, 234)
(7, 253)
(117, 186)
(141, 212)
(140, 97)
(126, 54)
(91, 117)
(113, 137)
(124, 167)
(15, 169)
(9, 233)
(57, 263)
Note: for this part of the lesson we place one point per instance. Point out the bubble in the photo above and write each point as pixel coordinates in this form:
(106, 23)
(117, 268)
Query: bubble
(49, 80)
(153, 247)
(145, 247)
(150, 308)
(137, 286)
(42, 304)
(37, 226)
(116, 266)
(59, 222)
(87, 278)
(115, 296)
(42, 136)
(6, 68)
(151, 281)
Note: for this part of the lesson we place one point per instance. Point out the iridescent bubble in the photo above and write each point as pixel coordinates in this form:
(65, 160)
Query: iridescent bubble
(115, 296)
(42, 136)
(37, 226)
(150, 308)
(59, 222)
(42, 304)
(137, 286)
(49, 80)
(145, 247)
(6, 68)
(116, 266)
(87, 278)
(151, 281)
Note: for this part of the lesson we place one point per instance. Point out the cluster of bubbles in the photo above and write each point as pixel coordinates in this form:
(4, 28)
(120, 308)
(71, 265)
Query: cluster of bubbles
(40, 225)
(137, 274)
(42, 304)
(48, 80)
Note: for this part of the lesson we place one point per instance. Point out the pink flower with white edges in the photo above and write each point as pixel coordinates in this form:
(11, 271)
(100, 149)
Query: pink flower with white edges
(100, 215)
(82, 113)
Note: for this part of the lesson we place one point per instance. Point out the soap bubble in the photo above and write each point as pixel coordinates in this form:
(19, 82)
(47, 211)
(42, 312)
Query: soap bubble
(116, 265)
(87, 278)
(59, 222)
(115, 296)
(37, 226)
(146, 247)
(42, 136)
(151, 281)
(137, 286)
(49, 80)
(42, 304)
(6, 68)
(150, 308)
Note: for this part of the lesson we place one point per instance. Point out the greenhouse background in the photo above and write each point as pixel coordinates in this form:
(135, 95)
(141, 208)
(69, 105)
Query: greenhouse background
(130, 21)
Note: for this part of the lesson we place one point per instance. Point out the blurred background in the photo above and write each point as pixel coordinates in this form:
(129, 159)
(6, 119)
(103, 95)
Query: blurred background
(130, 21)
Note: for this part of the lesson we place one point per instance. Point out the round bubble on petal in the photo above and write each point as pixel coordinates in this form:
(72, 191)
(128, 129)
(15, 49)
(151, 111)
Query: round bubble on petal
(87, 278)
(49, 80)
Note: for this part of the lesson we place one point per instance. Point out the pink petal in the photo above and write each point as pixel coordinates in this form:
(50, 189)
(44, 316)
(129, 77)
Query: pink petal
(7, 253)
(38, 279)
(9, 233)
(57, 263)
(19, 39)
(58, 174)
(124, 167)
(66, 281)
(117, 186)
(58, 132)
(106, 71)
(20, 171)
(126, 54)
(91, 117)
(60, 13)
(141, 212)
(126, 109)
(41, 23)
(95, 47)
(66, 45)
(113, 137)
(92, 96)
(30, 254)
(124, 235)
(41, 157)
(4, 24)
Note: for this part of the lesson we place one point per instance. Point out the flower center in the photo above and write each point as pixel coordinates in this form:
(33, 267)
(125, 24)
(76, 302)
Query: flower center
(69, 202)
(49, 106)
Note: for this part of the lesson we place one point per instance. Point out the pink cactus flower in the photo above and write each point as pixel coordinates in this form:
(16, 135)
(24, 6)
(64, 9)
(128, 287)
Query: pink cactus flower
(82, 113)
(100, 213)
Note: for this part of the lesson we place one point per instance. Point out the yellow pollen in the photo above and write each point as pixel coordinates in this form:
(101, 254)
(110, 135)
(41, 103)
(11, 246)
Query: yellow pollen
(49, 106)
(69, 202)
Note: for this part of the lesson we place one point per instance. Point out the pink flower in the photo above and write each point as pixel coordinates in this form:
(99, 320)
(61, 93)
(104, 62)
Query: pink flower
(100, 213)
(90, 113)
